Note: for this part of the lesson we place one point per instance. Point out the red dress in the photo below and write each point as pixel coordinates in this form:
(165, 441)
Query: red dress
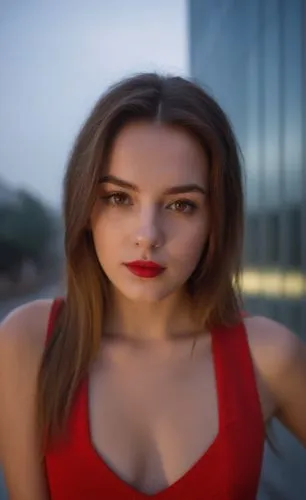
(229, 470)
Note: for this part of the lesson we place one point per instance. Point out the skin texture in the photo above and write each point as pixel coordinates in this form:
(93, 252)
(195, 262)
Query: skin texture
(144, 369)
(128, 223)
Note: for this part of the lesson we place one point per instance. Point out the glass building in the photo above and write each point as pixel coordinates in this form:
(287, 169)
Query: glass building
(251, 56)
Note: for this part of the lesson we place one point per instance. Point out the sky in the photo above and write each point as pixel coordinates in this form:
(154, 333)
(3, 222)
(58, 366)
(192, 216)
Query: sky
(56, 58)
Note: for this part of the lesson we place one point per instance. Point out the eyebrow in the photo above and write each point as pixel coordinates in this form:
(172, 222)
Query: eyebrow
(184, 188)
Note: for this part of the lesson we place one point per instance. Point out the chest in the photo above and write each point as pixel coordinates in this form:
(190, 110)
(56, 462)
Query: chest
(152, 419)
(149, 426)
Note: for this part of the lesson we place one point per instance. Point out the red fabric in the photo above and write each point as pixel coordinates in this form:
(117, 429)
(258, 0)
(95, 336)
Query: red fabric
(229, 470)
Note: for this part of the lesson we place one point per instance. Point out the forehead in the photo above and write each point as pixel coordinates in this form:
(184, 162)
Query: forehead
(152, 154)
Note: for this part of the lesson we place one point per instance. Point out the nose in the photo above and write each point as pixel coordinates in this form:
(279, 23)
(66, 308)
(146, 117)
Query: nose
(149, 232)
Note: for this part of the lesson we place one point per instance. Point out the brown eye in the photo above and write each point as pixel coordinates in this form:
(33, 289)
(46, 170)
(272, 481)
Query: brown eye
(117, 199)
(182, 206)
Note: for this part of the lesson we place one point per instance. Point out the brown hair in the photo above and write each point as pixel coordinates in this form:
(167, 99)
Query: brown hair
(214, 285)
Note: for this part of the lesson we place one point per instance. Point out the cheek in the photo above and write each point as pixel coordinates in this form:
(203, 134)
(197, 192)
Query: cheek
(190, 238)
(101, 221)
(104, 233)
(110, 220)
(109, 234)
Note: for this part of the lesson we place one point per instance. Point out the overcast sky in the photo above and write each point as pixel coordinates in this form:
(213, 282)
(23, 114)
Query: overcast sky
(57, 57)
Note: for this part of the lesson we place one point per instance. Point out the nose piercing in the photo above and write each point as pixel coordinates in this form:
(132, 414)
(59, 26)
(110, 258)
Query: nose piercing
(153, 246)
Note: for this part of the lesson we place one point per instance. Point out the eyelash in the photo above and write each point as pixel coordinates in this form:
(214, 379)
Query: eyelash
(109, 199)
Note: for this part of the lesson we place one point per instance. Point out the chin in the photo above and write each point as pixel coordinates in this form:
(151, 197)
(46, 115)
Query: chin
(147, 294)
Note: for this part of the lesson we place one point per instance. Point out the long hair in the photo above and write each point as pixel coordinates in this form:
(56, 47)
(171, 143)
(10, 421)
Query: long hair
(214, 285)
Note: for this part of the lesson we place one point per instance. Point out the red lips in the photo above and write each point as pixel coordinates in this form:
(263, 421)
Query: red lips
(145, 268)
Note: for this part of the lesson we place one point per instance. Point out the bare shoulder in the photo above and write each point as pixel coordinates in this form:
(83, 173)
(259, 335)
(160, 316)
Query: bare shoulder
(274, 347)
(29, 313)
(280, 357)
(22, 340)
(25, 327)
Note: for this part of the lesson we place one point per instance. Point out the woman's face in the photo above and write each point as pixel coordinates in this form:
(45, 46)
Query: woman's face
(151, 206)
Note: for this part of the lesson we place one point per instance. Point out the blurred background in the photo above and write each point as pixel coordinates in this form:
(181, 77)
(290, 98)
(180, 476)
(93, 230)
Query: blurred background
(58, 57)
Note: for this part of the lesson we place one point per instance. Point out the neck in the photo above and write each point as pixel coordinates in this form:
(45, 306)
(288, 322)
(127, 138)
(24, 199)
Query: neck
(170, 318)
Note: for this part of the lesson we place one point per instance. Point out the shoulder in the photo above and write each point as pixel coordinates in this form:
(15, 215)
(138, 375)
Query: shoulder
(26, 325)
(279, 356)
(28, 312)
(23, 333)
(22, 340)
(275, 348)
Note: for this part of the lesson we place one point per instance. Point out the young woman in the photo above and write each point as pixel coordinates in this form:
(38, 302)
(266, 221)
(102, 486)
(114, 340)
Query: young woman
(146, 379)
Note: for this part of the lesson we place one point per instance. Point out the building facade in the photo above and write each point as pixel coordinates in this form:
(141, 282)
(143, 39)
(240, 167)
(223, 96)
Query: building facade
(251, 56)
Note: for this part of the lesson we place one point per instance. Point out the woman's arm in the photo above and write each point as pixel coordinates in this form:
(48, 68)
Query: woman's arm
(21, 343)
(281, 358)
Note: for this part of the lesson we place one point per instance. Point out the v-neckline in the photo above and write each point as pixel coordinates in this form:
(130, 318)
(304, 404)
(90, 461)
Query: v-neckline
(127, 487)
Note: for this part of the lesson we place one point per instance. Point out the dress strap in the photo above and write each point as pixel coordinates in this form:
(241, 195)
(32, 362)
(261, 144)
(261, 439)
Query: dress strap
(235, 376)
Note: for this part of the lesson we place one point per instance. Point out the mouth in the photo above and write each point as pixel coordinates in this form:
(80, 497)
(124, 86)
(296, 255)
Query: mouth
(145, 269)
